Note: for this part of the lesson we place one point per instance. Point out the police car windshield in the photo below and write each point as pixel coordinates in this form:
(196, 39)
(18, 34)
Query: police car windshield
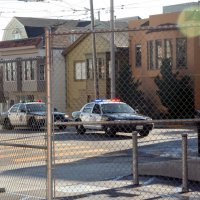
(36, 107)
(117, 108)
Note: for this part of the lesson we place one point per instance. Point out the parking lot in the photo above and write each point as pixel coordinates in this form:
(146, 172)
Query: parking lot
(92, 164)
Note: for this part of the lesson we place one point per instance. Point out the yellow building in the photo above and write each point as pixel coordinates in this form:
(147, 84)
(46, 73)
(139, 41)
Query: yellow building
(80, 84)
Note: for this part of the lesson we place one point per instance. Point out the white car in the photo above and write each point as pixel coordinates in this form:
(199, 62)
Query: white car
(30, 114)
(111, 110)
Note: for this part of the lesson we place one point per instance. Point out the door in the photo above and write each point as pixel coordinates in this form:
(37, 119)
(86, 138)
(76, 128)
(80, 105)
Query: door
(95, 116)
(22, 115)
(13, 114)
(86, 114)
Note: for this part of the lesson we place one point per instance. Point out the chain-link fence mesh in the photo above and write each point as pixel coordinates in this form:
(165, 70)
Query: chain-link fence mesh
(156, 76)
(157, 96)
(23, 144)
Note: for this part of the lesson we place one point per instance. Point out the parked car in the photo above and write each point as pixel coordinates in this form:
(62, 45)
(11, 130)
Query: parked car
(111, 110)
(197, 114)
(30, 114)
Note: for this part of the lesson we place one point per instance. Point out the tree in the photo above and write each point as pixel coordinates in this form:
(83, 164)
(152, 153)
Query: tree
(127, 88)
(175, 92)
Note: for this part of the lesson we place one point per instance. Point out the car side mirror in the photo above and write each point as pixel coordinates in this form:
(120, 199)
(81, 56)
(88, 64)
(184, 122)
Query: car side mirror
(137, 110)
(23, 110)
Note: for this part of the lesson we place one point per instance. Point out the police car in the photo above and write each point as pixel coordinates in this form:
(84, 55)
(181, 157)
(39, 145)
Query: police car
(111, 110)
(30, 114)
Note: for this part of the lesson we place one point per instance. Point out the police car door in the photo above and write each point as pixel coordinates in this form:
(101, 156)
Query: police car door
(95, 116)
(86, 114)
(22, 115)
(13, 114)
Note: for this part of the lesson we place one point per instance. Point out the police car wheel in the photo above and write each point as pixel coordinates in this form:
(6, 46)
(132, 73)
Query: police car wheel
(62, 127)
(144, 133)
(110, 131)
(34, 124)
(7, 125)
(79, 128)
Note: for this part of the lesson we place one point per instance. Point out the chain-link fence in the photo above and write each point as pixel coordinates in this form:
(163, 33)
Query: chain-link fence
(92, 151)
(154, 74)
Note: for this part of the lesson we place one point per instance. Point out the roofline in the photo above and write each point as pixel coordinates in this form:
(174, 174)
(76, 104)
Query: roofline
(73, 45)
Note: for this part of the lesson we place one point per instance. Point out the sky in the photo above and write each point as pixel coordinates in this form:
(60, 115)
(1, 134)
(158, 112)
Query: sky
(80, 9)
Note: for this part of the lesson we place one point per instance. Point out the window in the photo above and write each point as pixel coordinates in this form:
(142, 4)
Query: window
(80, 71)
(72, 38)
(41, 72)
(10, 71)
(29, 69)
(150, 53)
(96, 109)
(100, 68)
(16, 34)
(14, 108)
(22, 108)
(89, 69)
(181, 52)
(138, 55)
(168, 48)
(159, 57)
(88, 108)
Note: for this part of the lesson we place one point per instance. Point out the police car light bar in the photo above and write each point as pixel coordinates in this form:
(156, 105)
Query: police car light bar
(115, 100)
(108, 100)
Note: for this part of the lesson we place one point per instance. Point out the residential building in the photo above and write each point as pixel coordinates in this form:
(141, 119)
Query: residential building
(24, 76)
(23, 48)
(80, 82)
(159, 37)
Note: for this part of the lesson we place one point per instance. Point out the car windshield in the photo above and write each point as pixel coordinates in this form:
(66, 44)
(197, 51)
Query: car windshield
(36, 107)
(117, 108)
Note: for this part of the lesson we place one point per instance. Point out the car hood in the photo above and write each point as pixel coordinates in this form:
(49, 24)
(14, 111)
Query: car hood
(45, 113)
(127, 116)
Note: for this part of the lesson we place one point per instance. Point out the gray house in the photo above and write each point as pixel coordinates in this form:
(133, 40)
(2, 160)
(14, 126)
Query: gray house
(22, 60)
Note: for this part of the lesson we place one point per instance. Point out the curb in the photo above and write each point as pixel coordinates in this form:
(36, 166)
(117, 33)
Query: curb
(172, 168)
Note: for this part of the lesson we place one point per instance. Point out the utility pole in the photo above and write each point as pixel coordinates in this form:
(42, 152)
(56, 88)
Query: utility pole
(49, 114)
(94, 57)
(112, 50)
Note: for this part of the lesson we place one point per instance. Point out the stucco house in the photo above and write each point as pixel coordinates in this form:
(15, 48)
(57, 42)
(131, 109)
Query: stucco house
(159, 37)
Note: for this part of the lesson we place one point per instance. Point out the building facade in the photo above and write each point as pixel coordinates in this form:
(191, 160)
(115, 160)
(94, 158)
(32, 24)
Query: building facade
(159, 37)
(24, 75)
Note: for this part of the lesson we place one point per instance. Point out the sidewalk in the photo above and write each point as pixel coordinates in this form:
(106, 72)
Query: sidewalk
(172, 168)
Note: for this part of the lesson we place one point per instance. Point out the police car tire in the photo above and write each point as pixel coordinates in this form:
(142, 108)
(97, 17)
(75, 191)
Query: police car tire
(144, 133)
(79, 128)
(62, 127)
(7, 125)
(110, 131)
(33, 123)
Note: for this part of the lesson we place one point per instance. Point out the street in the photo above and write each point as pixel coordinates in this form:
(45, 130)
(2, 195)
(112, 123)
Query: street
(86, 163)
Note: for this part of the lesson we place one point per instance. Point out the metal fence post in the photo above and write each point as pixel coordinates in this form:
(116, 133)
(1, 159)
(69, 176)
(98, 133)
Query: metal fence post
(135, 159)
(184, 164)
(198, 136)
(49, 115)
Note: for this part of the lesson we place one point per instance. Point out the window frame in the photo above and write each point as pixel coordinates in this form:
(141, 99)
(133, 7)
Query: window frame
(10, 71)
(151, 55)
(82, 74)
(29, 67)
(138, 55)
(42, 72)
(181, 60)
(158, 53)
